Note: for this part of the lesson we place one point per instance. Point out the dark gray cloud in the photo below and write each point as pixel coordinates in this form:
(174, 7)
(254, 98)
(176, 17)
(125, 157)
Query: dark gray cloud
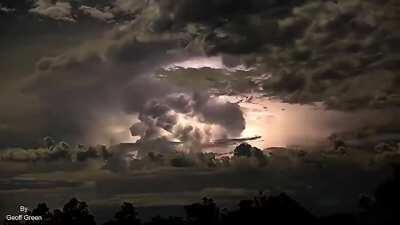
(228, 114)
(56, 152)
(343, 54)
(96, 79)
(113, 76)
(322, 48)
(337, 51)
(19, 6)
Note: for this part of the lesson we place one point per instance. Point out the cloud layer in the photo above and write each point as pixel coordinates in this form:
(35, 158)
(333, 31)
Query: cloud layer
(342, 53)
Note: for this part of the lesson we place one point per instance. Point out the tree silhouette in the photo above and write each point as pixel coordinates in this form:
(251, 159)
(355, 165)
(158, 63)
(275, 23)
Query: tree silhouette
(181, 161)
(206, 212)
(77, 213)
(127, 215)
(243, 150)
(279, 209)
(74, 213)
(43, 211)
(246, 150)
(384, 208)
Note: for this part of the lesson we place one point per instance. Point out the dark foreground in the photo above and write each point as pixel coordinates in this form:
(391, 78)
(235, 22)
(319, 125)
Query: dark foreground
(383, 207)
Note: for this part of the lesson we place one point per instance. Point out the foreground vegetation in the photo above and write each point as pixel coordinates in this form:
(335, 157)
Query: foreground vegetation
(381, 208)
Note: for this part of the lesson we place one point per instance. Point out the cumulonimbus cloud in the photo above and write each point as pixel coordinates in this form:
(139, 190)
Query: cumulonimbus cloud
(193, 119)
(336, 53)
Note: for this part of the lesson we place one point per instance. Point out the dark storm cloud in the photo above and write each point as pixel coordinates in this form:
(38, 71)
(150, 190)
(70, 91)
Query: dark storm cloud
(382, 130)
(137, 93)
(20, 6)
(228, 114)
(321, 48)
(79, 85)
(337, 54)
(344, 54)
(92, 79)
(183, 11)
(85, 82)
(137, 51)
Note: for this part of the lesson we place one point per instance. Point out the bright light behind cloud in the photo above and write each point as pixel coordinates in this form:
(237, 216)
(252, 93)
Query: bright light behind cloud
(214, 62)
(278, 123)
(113, 129)
(283, 124)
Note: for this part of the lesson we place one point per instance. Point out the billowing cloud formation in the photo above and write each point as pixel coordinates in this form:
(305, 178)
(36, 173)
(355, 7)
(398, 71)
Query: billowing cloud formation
(58, 10)
(349, 45)
(95, 80)
(321, 51)
(128, 6)
(297, 40)
(193, 120)
(78, 11)
(96, 13)
(342, 53)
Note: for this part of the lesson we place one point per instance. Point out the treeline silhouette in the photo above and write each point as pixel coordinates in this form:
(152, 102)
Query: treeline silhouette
(382, 208)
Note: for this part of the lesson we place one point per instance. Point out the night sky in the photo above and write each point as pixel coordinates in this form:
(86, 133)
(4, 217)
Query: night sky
(92, 91)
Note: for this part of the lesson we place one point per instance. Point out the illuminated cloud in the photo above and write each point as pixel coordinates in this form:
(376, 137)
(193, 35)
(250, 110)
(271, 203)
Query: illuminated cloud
(58, 10)
(193, 120)
(96, 13)
(298, 51)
